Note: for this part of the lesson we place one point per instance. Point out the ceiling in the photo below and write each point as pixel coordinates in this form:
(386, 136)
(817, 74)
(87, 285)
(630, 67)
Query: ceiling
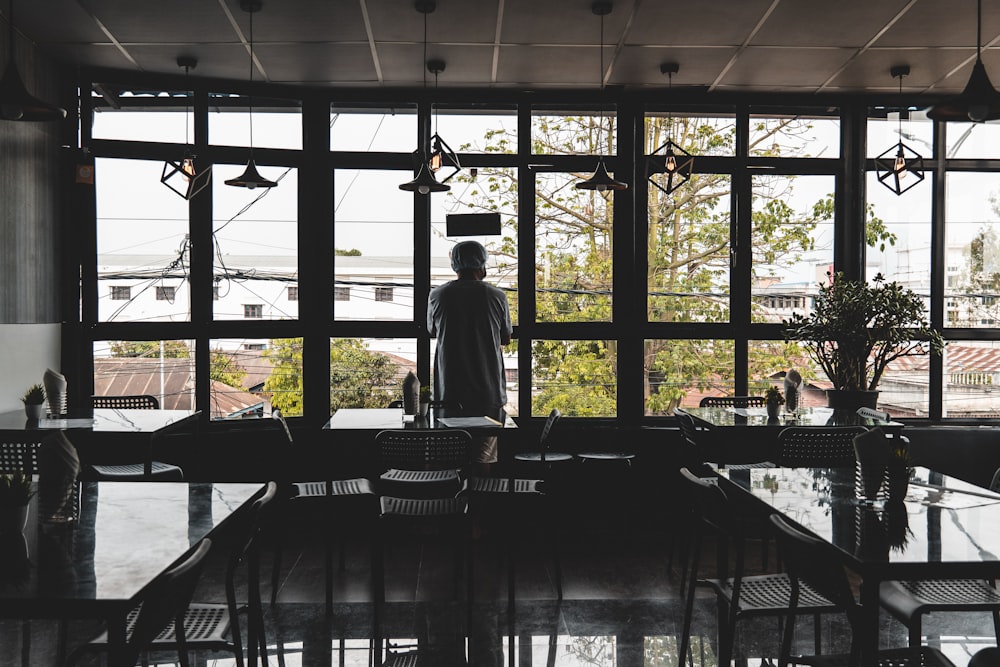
(800, 46)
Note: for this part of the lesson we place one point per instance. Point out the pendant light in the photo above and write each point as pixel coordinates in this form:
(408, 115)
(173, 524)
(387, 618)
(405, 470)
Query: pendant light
(674, 161)
(16, 103)
(979, 101)
(250, 178)
(441, 153)
(601, 180)
(425, 183)
(900, 167)
(184, 177)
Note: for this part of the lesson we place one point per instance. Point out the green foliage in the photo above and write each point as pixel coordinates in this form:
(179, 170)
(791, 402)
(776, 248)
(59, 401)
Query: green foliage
(34, 395)
(15, 489)
(856, 329)
(359, 378)
(150, 349)
(224, 369)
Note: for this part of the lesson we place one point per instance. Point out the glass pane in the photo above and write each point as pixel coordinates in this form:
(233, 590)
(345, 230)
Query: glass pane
(163, 369)
(792, 242)
(276, 123)
(477, 131)
(679, 372)
(576, 376)
(697, 134)
(250, 377)
(143, 254)
(573, 271)
(373, 246)
(688, 243)
(885, 133)
(972, 250)
(972, 140)
(577, 134)
(970, 378)
(771, 360)
(898, 233)
(799, 135)
(374, 130)
(492, 190)
(368, 373)
(154, 126)
(256, 249)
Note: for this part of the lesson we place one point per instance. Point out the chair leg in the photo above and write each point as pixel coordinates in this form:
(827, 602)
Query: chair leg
(691, 564)
(916, 630)
(996, 625)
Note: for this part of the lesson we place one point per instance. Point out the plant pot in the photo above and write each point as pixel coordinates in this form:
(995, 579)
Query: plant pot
(772, 410)
(843, 399)
(35, 411)
(13, 519)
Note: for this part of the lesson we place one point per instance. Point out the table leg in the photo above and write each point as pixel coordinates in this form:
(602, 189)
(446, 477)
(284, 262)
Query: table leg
(116, 638)
(868, 641)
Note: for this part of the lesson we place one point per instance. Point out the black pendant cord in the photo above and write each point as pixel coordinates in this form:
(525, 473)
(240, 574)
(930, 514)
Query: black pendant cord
(10, 30)
(251, 85)
(979, 29)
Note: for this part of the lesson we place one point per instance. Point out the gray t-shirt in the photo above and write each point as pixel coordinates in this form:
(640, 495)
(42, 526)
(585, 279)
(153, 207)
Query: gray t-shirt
(470, 319)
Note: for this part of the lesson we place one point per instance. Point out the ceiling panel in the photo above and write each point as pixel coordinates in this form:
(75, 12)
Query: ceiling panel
(951, 23)
(870, 70)
(550, 64)
(566, 22)
(641, 65)
(789, 68)
(843, 23)
(696, 23)
(177, 21)
(464, 65)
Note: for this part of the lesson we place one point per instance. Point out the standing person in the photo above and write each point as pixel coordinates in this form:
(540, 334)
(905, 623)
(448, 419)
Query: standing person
(471, 320)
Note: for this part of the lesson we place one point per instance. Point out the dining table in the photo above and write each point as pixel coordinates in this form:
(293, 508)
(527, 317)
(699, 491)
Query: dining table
(938, 527)
(100, 563)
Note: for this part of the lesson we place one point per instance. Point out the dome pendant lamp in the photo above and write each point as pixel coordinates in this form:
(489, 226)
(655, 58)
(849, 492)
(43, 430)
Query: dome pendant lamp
(601, 180)
(980, 101)
(16, 103)
(251, 178)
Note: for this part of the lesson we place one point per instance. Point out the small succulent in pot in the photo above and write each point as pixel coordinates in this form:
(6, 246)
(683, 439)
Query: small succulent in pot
(773, 396)
(35, 395)
(15, 489)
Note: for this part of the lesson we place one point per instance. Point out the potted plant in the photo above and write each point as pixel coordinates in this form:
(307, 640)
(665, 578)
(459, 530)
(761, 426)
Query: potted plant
(425, 399)
(15, 494)
(857, 329)
(773, 400)
(34, 402)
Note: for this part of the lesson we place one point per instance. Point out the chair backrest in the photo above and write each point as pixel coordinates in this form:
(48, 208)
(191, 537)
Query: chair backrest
(709, 502)
(995, 482)
(246, 542)
(280, 418)
(136, 402)
(19, 456)
(732, 402)
(872, 413)
(688, 428)
(808, 559)
(166, 600)
(550, 423)
(424, 449)
(817, 446)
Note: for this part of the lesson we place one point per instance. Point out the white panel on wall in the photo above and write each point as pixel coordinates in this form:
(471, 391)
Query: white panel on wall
(26, 350)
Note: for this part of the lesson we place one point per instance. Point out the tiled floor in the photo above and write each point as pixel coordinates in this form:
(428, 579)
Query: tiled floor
(621, 607)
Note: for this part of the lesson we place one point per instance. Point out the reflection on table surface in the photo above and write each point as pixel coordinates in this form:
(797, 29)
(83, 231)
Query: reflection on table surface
(806, 416)
(379, 419)
(125, 534)
(940, 519)
(110, 420)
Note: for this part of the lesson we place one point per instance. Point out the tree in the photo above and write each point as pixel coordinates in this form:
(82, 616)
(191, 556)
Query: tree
(359, 378)
(688, 240)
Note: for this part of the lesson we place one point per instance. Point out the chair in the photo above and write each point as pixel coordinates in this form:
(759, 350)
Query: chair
(512, 501)
(813, 563)
(426, 463)
(816, 446)
(167, 599)
(355, 497)
(731, 402)
(148, 468)
(135, 402)
(543, 456)
(995, 482)
(738, 596)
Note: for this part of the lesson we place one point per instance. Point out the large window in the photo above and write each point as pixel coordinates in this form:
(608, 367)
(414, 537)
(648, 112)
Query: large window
(626, 304)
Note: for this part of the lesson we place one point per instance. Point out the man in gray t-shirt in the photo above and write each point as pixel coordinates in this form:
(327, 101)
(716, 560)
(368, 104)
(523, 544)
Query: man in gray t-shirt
(471, 320)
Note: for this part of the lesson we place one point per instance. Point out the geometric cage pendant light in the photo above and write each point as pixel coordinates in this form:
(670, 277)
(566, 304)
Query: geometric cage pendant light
(601, 180)
(183, 177)
(900, 167)
(669, 159)
(16, 103)
(251, 178)
(425, 182)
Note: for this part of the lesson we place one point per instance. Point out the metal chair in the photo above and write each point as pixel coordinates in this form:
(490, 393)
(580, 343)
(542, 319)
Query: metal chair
(167, 600)
(148, 468)
(731, 402)
(425, 463)
(872, 413)
(353, 497)
(134, 402)
(738, 596)
(543, 455)
(813, 563)
(816, 446)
